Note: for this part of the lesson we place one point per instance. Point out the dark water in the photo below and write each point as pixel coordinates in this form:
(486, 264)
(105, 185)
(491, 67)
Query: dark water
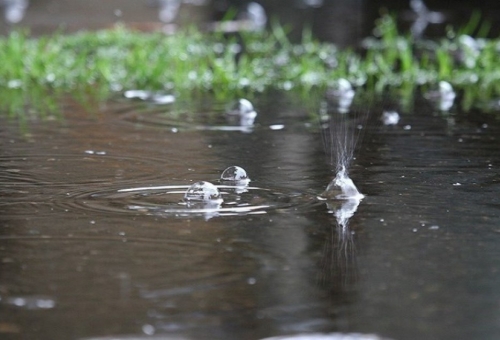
(79, 258)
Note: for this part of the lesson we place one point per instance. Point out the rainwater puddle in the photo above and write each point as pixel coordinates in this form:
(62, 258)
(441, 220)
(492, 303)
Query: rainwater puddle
(98, 242)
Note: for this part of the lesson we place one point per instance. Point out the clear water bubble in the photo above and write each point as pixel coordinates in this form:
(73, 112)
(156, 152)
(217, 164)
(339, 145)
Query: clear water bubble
(256, 14)
(242, 107)
(390, 118)
(202, 192)
(235, 174)
(243, 114)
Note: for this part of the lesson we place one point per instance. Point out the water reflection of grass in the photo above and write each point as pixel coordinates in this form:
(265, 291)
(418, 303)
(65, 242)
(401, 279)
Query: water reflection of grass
(191, 62)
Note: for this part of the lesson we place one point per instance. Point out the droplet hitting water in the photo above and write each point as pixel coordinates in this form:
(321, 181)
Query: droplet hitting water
(340, 136)
(342, 187)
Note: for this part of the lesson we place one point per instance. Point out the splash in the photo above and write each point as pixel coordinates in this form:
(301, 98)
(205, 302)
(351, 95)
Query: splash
(342, 187)
(340, 136)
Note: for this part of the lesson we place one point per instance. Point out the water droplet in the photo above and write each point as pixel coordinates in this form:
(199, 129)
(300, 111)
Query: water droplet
(202, 192)
(148, 329)
(162, 99)
(342, 187)
(277, 127)
(256, 15)
(19, 302)
(243, 106)
(137, 94)
(243, 114)
(155, 97)
(252, 280)
(45, 303)
(390, 118)
(234, 174)
(407, 127)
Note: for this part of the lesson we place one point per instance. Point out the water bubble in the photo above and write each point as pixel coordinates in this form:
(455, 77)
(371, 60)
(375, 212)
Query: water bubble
(390, 118)
(242, 106)
(148, 329)
(443, 97)
(256, 14)
(202, 192)
(446, 90)
(234, 174)
(242, 113)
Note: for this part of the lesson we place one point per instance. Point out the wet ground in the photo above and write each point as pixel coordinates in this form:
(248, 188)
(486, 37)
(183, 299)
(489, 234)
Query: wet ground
(91, 247)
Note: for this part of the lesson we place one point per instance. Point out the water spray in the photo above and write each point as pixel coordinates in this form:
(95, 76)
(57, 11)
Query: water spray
(340, 136)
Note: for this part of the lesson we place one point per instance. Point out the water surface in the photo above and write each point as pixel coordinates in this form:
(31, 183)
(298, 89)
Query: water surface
(94, 242)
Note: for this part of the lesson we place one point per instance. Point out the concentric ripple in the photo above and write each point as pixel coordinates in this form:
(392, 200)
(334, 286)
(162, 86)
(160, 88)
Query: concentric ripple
(167, 201)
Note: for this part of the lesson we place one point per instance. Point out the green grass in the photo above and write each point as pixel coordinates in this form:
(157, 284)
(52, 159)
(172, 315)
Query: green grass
(35, 71)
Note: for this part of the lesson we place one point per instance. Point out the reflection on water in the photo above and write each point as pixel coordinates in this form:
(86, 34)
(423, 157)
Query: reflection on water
(96, 241)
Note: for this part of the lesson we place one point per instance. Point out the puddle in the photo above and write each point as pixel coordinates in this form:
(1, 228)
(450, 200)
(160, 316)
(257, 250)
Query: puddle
(97, 241)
